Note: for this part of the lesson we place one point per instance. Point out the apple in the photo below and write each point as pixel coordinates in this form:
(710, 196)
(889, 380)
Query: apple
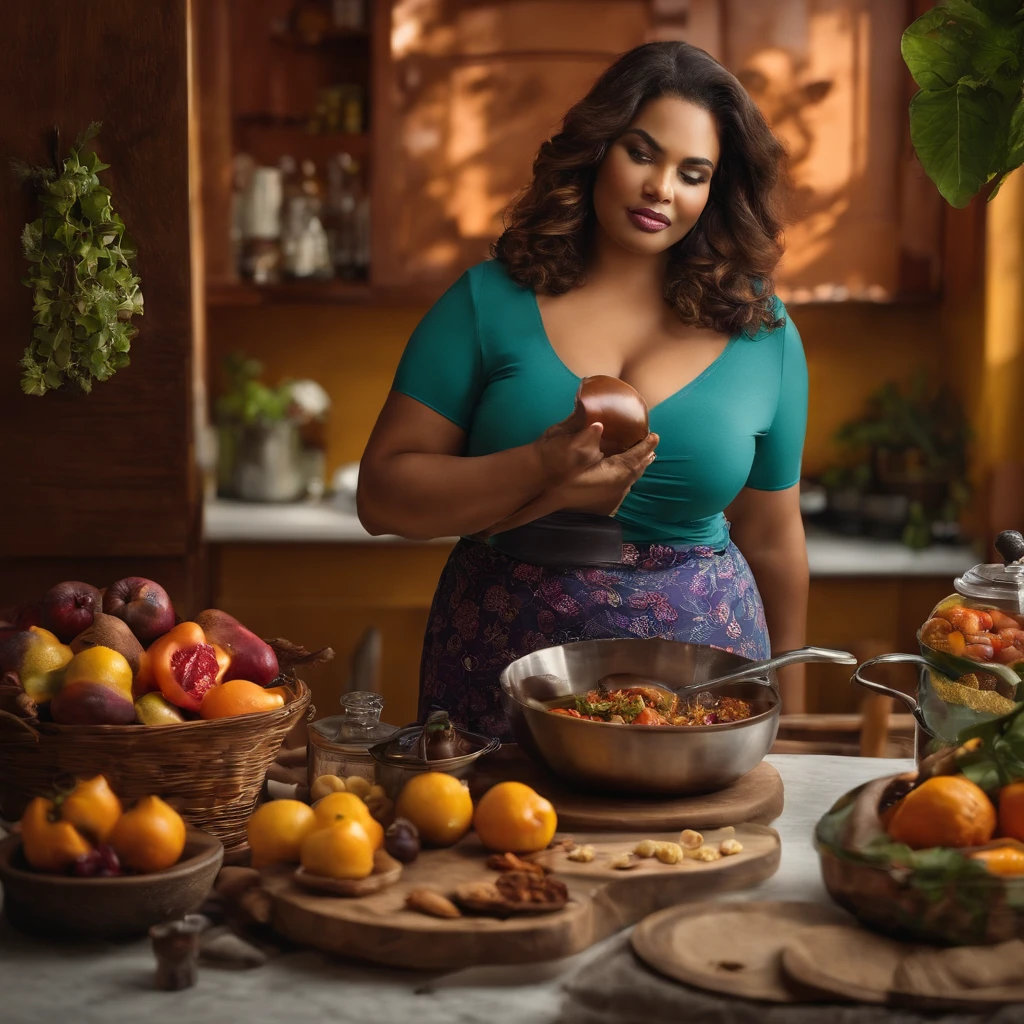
(68, 608)
(143, 605)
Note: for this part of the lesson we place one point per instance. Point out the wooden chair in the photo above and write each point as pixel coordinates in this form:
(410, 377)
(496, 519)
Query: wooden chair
(874, 731)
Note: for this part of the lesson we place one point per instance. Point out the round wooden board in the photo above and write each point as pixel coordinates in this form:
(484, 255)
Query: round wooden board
(757, 797)
(732, 948)
(380, 929)
(852, 964)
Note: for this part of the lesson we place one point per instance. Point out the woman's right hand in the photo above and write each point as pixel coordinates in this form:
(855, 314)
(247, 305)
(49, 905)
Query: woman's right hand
(564, 450)
(602, 487)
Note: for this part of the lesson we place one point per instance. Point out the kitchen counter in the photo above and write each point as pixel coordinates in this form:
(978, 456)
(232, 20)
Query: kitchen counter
(830, 555)
(112, 984)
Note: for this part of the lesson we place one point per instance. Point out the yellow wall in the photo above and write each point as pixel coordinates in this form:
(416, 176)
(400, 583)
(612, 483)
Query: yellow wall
(353, 352)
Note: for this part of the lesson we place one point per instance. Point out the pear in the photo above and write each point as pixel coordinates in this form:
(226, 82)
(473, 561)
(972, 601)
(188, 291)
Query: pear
(38, 658)
(251, 658)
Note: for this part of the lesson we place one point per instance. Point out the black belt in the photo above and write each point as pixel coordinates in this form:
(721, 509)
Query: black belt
(564, 539)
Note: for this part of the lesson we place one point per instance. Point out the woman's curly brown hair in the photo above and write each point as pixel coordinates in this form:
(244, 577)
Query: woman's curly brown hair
(721, 275)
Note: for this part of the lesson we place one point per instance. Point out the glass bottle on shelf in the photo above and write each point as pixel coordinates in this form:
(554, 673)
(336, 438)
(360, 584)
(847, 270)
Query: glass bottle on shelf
(340, 745)
(341, 218)
(261, 234)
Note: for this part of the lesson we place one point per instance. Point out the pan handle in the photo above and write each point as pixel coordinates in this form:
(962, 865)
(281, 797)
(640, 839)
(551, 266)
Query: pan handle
(892, 659)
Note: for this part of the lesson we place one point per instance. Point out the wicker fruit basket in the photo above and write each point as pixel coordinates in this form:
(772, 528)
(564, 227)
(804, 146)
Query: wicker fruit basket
(210, 771)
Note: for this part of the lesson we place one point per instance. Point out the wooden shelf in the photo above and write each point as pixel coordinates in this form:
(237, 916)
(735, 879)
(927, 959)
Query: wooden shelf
(314, 293)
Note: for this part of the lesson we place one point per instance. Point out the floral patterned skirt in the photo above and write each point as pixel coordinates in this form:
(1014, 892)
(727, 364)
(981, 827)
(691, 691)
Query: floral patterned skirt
(490, 609)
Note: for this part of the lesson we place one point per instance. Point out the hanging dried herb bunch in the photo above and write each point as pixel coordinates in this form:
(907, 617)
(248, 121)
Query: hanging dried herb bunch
(83, 285)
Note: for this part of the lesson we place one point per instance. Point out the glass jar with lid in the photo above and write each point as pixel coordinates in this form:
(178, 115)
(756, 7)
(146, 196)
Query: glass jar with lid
(971, 648)
(340, 745)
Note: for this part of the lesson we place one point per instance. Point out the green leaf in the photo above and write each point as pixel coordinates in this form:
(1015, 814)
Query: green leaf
(935, 55)
(957, 135)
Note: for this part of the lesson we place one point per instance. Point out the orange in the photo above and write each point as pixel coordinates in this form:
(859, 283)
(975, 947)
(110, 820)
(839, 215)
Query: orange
(1002, 860)
(947, 810)
(336, 806)
(438, 805)
(342, 850)
(276, 830)
(1011, 811)
(100, 665)
(150, 836)
(512, 818)
(92, 807)
(49, 845)
(238, 697)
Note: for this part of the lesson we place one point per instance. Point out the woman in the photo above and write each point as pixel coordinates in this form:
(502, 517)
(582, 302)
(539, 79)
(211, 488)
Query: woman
(644, 249)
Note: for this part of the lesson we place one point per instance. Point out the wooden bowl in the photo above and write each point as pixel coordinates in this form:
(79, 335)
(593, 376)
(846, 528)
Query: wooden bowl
(936, 903)
(62, 906)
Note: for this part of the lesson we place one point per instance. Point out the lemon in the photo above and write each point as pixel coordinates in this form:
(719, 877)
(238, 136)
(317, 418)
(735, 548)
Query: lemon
(276, 831)
(438, 805)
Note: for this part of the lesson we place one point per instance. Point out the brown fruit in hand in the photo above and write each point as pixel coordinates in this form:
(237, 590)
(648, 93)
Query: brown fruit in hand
(69, 607)
(143, 605)
(251, 658)
(618, 407)
(110, 631)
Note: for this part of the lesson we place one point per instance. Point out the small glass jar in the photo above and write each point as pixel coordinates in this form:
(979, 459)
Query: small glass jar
(975, 636)
(340, 745)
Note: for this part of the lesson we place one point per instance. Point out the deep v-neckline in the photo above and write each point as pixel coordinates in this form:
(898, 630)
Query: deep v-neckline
(650, 408)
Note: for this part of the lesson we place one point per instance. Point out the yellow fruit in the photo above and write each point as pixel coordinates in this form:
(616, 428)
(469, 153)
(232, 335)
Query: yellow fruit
(1002, 860)
(150, 836)
(276, 831)
(50, 845)
(438, 805)
(41, 669)
(338, 806)
(325, 784)
(92, 807)
(342, 850)
(100, 665)
(512, 818)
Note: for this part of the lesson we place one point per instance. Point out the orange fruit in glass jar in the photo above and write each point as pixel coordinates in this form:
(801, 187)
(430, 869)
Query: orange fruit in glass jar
(92, 807)
(342, 850)
(276, 831)
(339, 806)
(439, 805)
(512, 818)
(149, 837)
(947, 810)
(238, 697)
(1011, 811)
(1002, 860)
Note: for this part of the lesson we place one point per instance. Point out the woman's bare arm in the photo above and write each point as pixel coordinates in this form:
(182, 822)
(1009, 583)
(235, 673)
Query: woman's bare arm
(415, 481)
(768, 530)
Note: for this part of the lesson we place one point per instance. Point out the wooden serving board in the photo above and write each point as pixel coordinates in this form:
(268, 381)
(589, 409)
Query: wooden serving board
(757, 797)
(735, 948)
(378, 928)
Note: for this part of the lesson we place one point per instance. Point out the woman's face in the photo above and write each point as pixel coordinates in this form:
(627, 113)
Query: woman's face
(654, 180)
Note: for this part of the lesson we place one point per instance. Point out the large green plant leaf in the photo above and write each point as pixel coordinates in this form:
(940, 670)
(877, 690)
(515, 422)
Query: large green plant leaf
(960, 137)
(935, 55)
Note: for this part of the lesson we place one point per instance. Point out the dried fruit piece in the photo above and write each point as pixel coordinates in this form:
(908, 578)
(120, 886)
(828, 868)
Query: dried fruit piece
(402, 840)
(669, 853)
(690, 840)
(510, 862)
(526, 887)
(427, 901)
(646, 848)
(581, 854)
(728, 847)
(624, 861)
(706, 854)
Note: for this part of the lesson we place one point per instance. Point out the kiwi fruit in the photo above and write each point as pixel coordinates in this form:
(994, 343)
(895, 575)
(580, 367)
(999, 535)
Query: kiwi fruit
(110, 631)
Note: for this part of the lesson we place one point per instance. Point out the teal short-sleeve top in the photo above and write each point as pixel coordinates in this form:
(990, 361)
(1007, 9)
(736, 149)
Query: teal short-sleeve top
(481, 358)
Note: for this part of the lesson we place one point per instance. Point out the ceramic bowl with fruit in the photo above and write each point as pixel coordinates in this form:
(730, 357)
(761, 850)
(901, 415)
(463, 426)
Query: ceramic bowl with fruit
(81, 865)
(936, 855)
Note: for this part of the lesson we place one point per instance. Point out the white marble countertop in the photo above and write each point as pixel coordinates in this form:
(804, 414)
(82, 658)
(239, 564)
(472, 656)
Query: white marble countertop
(108, 984)
(307, 522)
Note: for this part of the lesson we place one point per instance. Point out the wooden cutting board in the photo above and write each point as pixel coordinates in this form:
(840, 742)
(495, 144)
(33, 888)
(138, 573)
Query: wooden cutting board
(379, 929)
(757, 797)
(733, 948)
